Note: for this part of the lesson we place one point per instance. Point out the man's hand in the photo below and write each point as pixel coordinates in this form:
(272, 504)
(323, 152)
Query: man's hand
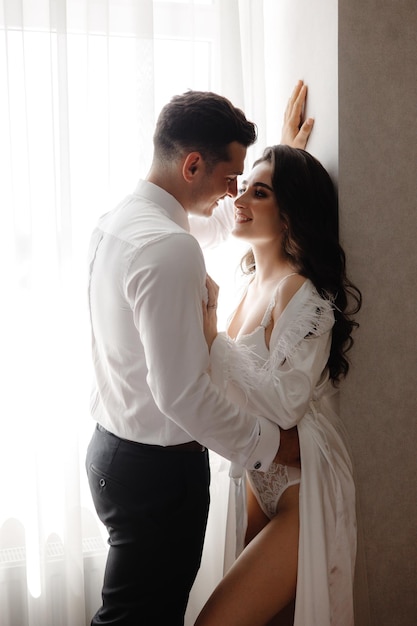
(295, 132)
(289, 448)
(210, 311)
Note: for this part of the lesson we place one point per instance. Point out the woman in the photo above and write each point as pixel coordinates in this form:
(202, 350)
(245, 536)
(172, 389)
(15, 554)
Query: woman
(283, 356)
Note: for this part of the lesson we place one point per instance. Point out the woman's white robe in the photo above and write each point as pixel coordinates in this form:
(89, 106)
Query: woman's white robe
(291, 387)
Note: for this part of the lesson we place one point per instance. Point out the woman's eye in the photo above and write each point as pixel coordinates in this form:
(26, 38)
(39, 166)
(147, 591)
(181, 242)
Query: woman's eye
(259, 193)
(241, 191)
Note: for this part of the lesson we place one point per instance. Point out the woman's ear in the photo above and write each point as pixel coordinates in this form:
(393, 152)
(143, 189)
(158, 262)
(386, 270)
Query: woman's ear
(192, 164)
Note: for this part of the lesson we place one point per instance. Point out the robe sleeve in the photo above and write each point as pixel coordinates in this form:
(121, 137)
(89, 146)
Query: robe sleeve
(281, 388)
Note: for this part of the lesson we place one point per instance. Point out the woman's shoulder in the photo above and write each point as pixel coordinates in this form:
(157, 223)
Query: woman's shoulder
(289, 285)
(307, 315)
(285, 291)
(302, 300)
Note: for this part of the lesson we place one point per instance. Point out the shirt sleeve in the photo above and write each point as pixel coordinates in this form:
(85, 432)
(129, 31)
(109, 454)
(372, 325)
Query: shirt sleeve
(165, 288)
(211, 231)
(281, 393)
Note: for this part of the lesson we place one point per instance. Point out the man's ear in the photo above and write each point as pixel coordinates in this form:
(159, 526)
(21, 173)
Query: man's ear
(192, 164)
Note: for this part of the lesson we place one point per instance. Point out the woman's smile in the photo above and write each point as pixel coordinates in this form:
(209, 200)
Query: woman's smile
(241, 218)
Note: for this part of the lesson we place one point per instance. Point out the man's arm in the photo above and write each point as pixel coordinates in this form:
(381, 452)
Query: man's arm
(165, 288)
(295, 131)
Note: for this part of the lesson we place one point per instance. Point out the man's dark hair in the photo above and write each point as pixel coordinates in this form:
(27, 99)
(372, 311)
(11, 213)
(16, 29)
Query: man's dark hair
(204, 122)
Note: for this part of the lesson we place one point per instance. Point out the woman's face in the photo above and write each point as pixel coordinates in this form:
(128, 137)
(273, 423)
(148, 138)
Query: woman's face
(257, 218)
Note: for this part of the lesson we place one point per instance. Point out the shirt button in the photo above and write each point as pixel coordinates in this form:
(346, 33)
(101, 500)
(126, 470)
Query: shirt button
(257, 465)
(102, 482)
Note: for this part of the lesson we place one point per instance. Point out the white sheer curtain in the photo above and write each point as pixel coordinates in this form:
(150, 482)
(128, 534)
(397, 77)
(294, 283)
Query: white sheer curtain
(81, 82)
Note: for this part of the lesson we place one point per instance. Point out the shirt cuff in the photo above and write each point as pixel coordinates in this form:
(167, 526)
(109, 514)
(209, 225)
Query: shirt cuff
(267, 448)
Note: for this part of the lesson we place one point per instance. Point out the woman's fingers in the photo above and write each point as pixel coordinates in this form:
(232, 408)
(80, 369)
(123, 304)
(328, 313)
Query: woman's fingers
(295, 132)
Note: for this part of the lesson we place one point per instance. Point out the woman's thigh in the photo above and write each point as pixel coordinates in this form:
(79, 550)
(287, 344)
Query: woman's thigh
(262, 581)
(257, 520)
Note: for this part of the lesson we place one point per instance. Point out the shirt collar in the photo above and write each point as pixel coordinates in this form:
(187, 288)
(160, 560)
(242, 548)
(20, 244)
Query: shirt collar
(168, 204)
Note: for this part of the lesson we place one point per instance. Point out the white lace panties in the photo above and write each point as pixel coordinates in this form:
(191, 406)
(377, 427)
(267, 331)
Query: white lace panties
(269, 486)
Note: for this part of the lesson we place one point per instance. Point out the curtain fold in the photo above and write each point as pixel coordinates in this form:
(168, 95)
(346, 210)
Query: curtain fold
(81, 84)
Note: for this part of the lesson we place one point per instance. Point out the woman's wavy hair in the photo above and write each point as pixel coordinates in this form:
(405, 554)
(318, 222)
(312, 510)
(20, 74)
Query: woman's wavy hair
(308, 206)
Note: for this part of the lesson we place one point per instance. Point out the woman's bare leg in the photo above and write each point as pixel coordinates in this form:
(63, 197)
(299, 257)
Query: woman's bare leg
(257, 520)
(262, 582)
(284, 617)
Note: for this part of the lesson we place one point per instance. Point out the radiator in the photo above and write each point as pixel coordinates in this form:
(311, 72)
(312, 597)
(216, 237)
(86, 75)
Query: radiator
(18, 608)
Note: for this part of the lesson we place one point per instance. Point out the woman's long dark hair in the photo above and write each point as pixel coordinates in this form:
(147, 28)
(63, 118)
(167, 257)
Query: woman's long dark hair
(307, 203)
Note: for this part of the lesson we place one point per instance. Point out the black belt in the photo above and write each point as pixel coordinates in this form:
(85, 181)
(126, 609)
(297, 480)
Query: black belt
(188, 446)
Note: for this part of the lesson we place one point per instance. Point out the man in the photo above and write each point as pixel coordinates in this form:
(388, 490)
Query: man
(156, 409)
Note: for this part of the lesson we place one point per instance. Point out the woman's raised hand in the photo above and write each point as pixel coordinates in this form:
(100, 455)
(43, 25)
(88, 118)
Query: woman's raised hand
(295, 132)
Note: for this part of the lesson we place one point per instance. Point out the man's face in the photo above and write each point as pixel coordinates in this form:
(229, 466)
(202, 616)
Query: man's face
(221, 181)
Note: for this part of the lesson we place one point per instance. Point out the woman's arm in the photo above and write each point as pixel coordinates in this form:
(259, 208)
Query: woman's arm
(280, 393)
(299, 349)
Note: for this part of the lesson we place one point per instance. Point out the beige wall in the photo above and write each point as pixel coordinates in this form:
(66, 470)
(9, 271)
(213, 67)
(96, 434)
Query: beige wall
(359, 58)
(378, 210)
